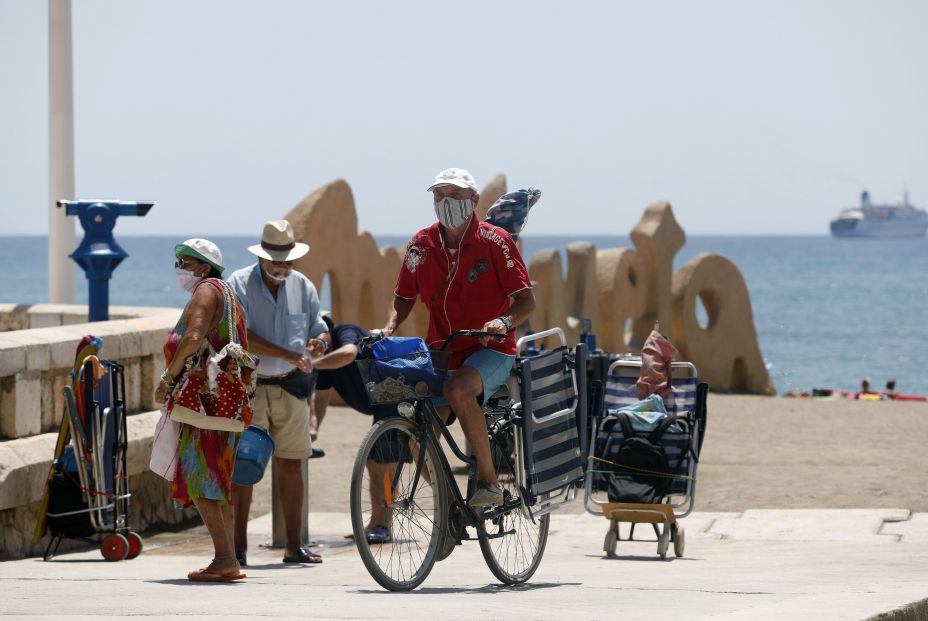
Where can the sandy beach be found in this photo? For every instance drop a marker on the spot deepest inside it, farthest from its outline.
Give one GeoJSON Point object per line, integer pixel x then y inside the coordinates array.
{"type": "Point", "coordinates": [759, 453]}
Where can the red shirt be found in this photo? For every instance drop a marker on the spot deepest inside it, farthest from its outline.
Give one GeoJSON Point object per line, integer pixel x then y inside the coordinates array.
{"type": "Point", "coordinates": [465, 290]}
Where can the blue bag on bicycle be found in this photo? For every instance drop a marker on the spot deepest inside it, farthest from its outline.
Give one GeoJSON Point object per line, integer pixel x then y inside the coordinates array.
{"type": "Point", "coordinates": [407, 358]}
{"type": "Point", "coordinates": [397, 346]}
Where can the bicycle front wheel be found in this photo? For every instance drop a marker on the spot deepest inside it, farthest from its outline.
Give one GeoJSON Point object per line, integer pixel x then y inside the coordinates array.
{"type": "Point", "coordinates": [398, 506]}
{"type": "Point", "coordinates": [513, 543]}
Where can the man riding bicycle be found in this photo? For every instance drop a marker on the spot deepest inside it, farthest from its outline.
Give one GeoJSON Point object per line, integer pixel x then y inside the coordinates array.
{"type": "Point", "coordinates": [470, 275]}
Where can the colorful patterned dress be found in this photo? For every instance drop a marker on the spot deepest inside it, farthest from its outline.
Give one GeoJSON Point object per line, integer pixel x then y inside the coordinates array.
{"type": "Point", "coordinates": [205, 457]}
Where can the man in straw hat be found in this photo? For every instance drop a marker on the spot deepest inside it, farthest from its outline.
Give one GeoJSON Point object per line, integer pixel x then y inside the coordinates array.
{"type": "Point", "coordinates": [282, 309]}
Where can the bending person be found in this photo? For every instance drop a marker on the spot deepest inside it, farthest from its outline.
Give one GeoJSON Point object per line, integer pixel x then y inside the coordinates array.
{"type": "Point", "coordinates": [336, 370]}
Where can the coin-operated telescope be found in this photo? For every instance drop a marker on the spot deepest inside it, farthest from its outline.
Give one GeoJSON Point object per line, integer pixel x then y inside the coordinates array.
{"type": "Point", "coordinates": [98, 253]}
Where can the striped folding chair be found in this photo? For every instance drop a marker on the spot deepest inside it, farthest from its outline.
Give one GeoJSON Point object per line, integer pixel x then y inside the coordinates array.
{"type": "Point", "coordinates": [552, 406]}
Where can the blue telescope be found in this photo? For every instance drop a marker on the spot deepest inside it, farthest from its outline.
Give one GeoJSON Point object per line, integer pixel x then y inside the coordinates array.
{"type": "Point", "coordinates": [98, 253]}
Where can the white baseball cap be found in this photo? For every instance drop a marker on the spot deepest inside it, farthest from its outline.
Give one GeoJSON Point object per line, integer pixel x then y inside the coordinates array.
{"type": "Point", "coordinates": [202, 250]}
{"type": "Point", "coordinates": [454, 176]}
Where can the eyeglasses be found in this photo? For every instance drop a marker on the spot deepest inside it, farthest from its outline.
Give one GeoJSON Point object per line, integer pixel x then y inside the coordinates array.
{"type": "Point", "coordinates": [279, 263]}
{"type": "Point", "coordinates": [180, 263]}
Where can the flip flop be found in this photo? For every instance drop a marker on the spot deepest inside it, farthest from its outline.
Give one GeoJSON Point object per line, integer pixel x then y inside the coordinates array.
{"type": "Point", "coordinates": [205, 575]}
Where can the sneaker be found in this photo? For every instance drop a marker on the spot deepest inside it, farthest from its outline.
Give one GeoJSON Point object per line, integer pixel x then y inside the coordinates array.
{"type": "Point", "coordinates": [486, 494]}
{"type": "Point", "coordinates": [378, 534]}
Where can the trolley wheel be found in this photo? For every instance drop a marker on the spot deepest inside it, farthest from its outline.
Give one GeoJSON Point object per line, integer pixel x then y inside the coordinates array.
{"type": "Point", "coordinates": [663, 542]}
{"type": "Point", "coordinates": [114, 547]}
{"type": "Point", "coordinates": [610, 541]}
{"type": "Point", "coordinates": [135, 545]}
{"type": "Point", "coordinates": [679, 540]}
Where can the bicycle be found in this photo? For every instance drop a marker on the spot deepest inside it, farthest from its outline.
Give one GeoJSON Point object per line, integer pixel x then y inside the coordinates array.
{"type": "Point", "coordinates": [402, 477]}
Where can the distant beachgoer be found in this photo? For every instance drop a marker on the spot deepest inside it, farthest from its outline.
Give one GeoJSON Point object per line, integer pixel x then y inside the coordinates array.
{"type": "Point", "coordinates": [890, 389]}
{"type": "Point", "coordinates": [864, 389]}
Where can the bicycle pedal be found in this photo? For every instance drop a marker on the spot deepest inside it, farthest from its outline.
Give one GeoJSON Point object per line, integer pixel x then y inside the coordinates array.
{"type": "Point", "coordinates": [511, 531]}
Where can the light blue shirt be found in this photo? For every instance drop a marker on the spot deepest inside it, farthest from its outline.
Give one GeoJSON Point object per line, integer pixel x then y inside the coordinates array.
{"type": "Point", "coordinates": [288, 322]}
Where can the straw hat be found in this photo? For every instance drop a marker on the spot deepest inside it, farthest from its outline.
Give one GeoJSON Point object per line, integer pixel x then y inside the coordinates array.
{"type": "Point", "coordinates": [278, 243]}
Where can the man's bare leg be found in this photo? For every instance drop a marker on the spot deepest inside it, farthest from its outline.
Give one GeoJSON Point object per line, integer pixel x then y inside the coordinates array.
{"type": "Point", "coordinates": [319, 403]}
{"type": "Point", "coordinates": [461, 391]}
{"type": "Point", "coordinates": [292, 488]}
{"type": "Point", "coordinates": [380, 512]}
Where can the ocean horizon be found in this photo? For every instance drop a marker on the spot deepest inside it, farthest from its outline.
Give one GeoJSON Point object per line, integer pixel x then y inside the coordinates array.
{"type": "Point", "coordinates": [827, 311]}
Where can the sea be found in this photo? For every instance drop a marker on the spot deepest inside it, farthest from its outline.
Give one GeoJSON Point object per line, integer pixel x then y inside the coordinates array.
{"type": "Point", "coordinates": [828, 312]}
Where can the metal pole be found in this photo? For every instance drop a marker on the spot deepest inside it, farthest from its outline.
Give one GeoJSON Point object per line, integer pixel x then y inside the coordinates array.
{"type": "Point", "coordinates": [60, 152]}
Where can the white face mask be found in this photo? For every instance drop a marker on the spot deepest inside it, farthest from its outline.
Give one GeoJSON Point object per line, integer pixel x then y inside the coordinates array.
{"type": "Point", "coordinates": [274, 277]}
{"type": "Point", "coordinates": [188, 281]}
{"type": "Point", "coordinates": [452, 212]}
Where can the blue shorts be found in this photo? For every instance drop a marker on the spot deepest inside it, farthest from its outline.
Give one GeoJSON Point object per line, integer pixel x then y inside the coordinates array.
{"type": "Point", "coordinates": [493, 368]}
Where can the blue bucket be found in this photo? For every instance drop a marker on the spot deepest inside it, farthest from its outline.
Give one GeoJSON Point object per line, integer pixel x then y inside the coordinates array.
{"type": "Point", "coordinates": [251, 457]}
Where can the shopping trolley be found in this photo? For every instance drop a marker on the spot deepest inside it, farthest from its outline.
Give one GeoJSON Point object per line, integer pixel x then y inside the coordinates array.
{"type": "Point", "coordinates": [679, 437]}
{"type": "Point", "coordinates": [87, 490]}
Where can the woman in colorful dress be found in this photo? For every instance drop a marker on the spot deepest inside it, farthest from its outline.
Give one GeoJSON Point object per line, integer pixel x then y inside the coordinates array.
{"type": "Point", "coordinates": [205, 457]}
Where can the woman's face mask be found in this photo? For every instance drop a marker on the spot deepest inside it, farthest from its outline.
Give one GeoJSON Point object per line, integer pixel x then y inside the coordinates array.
{"type": "Point", "coordinates": [453, 212]}
{"type": "Point", "coordinates": [188, 281]}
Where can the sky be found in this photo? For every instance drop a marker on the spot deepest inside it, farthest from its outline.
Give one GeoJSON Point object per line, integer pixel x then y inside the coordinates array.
{"type": "Point", "coordinates": [761, 117]}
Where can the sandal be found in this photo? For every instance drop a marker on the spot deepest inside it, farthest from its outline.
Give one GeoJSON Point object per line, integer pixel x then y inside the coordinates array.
{"type": "Point", "coordinates": [207, 575]}
{"type": "Point", "coordinates": [378, 535]}
{"type": "Point", "coordinates": [303, 556]}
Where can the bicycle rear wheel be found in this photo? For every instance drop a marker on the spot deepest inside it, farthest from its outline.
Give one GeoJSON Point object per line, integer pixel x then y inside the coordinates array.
{"type": "Point", "coordinates": [512, 544]}
{"type": "Point", "coordinates": [382, 495]}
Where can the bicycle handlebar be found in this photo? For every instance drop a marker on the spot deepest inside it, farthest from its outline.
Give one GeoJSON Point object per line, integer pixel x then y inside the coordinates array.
{"type": "Point", "coordinates": [477, 334]}
{"type": "Point", "coordinates": [375, 335]}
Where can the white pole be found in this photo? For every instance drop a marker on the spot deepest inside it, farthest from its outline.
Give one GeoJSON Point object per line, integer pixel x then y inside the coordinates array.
{"type": "Point", "coordinates": [60, 152]}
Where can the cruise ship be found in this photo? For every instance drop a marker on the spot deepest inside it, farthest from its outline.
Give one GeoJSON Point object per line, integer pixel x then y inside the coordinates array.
{"type": "Point", "coordinates": [869, 220]}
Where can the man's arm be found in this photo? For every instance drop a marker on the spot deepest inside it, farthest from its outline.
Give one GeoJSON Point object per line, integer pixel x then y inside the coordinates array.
{"type": "Point", "coordinates": [523, 304]}
{"type": "Point", "coordinates": [398, 314]}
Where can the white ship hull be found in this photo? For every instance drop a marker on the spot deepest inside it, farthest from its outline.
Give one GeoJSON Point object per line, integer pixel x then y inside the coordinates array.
{"type": "Point", "coordinates": [854, 227]}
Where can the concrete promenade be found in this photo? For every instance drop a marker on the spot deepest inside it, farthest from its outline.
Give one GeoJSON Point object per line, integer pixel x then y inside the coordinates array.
{"type": "Point", "coordinates": [758, 564]}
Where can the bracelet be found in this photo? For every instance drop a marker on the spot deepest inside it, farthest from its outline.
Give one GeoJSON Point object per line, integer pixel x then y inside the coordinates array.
{"type": "Point", "coordinates": [506, 321]}
{"type": "Point", "coordinates": [167, 378]}
{"type": "Point", "coordinates": [325, 345]}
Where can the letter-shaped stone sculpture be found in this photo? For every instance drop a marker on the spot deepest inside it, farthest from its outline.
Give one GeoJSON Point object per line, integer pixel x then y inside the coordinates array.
{"type": "Point", "coordinates": [622, 283]}
{"type": "Point", "coordinates": [725, 350]}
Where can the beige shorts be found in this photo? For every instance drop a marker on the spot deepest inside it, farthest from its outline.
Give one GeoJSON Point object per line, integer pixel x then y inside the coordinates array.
{"type": "Point", "coordinates": [286, 418]}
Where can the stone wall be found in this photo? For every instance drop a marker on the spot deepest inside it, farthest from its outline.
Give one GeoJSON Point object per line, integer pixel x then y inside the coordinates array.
{"type": "Point", "coordinates": [35, 363]}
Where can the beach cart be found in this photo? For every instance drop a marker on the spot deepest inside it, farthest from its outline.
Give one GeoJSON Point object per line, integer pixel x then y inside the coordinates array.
{"type": "Point", "coordinates": [645, 475]}
{"type": "Point", "coordinates": [87, 492]}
